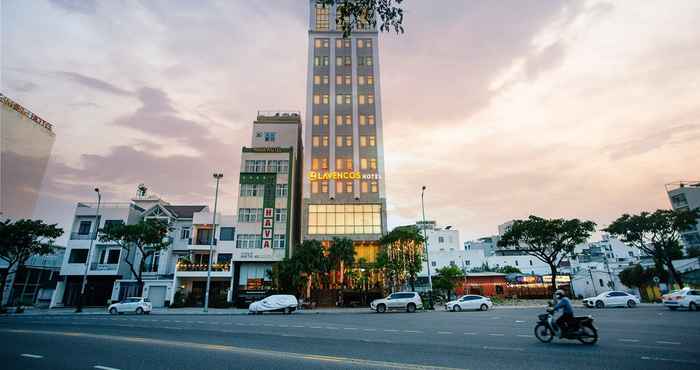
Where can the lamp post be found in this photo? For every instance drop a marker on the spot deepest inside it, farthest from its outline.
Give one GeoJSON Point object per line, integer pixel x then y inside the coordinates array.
{"type": "Point", "coordinates": [218, 177]}
{"type": "Point", "coordinates": [427, 255]}
{"type": "Point", "coordinates": [79, 307]}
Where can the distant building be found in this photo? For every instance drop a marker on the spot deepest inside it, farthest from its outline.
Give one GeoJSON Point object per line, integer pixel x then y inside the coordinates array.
{"type": "Point", "coordinates": [25, 147]}
{"type": "Point", "coordinates": [35, 281]}
{"type": "Point", "coordinates": [685, 195]}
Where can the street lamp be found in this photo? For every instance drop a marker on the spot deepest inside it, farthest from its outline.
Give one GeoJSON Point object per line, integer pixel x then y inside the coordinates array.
{"type": "Point", "coordinates": [427, 255]}
{"type": "Point", "coordinates": [79, 307]}
{"type": "Point", "coordinates": [218, 177]}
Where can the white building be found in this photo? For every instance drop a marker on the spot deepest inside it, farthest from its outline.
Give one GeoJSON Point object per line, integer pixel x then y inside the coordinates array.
{"type": "Point", "coordinates": [268, 202]}
{"type": "Point", "coordinates": [686, 195]}
{"type": "Point", "coordinates": [445, 249]}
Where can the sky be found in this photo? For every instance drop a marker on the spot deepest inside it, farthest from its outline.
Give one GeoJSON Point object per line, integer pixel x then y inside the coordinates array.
{"type": "Point", "coordinates": [502, 109]}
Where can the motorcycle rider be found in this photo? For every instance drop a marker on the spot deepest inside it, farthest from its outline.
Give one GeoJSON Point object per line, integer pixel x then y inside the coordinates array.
{"type": "Point", "coordinates": [566, 320]}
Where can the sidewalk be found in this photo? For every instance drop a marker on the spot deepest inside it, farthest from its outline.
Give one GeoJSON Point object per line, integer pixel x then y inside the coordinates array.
{"type": "Point", "coordinates": [30, 311]}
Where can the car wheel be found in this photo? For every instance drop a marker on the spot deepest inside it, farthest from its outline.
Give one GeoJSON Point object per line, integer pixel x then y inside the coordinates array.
{"type": "Point", "coordinates": [139, 311]}
{"type": "Point", "coordinates": [381, 308]}
{"type": "Point", "coordinates": [287, 311]}
{"type": "Point", "coordinates": [692, 306]}
{"type": "Point", "coordinates": [631, 303]}
{"type": "Point", "coordinates": [411, 308]}
{"type": "Point", "coordinates": [484, 307]}
{"type": "Point", "coordinates": [599, 304]}
{"type": "Point", "coordinates": [113, 311]}
{"type": "Point", "coordinates": [456, 308]}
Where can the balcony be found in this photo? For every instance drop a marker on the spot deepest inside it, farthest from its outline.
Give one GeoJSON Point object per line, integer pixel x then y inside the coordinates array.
{"type": "Point", "coordinates": [202, 267]}
{"type": "Point", "coordinates": [79, 236]}
{"type": "Point", "coordinates": [201, 241]}
{"type": "Point", "coordinates": [103, 266]}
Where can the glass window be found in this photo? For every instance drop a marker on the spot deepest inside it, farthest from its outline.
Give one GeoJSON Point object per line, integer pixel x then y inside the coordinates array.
{"type": "Point", "coordinates": [314, 164]}
{"type": "Point", "coordinates": [338, 120]}
{"type": "Point", "coordinates": [364, 187]}
{"type": "Point", "coordinates": [84, 227]}
{"type": "Point", "coordinates": [316, 141]}
{"type": "Point", "coordinates": [314, 187]}
{"type": "Point", "coordinates": [317, 120]}
{"type": "Point", "coordinates": [370, 98]}
{"type": "Point", "coordinates": [363, 141]}
{"type": "Point", "coordinates": [370, 119]}
{"type": "Point", "coordinates": [324, 186]}
{"type": "Point", "coordinates": [281, 190]}
{"type": "Point", "coordinates": [249, 214]}
{"type": "Point", "coordinates": [360, 80]}
{"type": "Point", "coordinates": [348, 141]}
{"type": "Point", "coordinates": [322, 17]}
{"type": "Point", "coordinates": [373, 164]}
{"type": "Point", "coordinates": [371, 141]}
{"type": "Point", "coordinates": [374, 186]}
{"type": "Point", "coordinates": [339, 141]}
{"type": "Point", "coordinates": [248, 241]}
{"type": "Point", "coordinates": [185, 232]}
{"type": "Point", "coordinates": [324, 141]}
{"type": "Point", "coordinates": [345, 219]}
{"type": "Point", "coordinates": [324, 120]}
{"type": "Point", "coordinates": [363, 120]}
{"type": "Point", "coordinates": [338, 79]}
{"type": "Point", "coordinates": [226, 233]}
{"type": "Point", "coordinates": [281, 215]}
{"type": "Point", "coordinates": [78, 256]}
{"type": "Point", "coordinates": [363, 163]}
{"type": "Point", "coordinates": [370, 80]}
{"type": "Point", "coordinates": [279, 241]}
{"type": "Point", "coordinates": [348, 79]}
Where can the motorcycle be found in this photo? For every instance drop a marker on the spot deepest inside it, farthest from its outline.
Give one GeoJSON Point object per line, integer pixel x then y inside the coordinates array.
{"type": "Point", "coordinates": [582, 330]}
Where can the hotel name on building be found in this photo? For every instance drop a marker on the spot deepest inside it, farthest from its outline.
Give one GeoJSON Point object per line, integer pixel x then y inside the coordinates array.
{"type": "Point", "coordinates": [341, 175]}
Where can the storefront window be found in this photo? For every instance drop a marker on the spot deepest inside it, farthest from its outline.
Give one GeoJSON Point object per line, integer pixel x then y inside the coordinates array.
{"type": "Point", "coordinates": [345, 219]}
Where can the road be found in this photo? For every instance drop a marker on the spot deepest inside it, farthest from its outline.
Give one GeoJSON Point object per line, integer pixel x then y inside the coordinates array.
{"type": "Point", "coordinates": [640, 338]}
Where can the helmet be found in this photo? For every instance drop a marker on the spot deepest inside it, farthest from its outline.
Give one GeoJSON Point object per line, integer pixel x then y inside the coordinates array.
{"type": "Point", "coordinates": [559, 293]}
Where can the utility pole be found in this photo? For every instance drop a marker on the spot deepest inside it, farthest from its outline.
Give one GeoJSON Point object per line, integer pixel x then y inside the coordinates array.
{"type": "Point", "coordinates": [92, 237]}
{"type": "Point", "coordinates": [590, 272]}
{"type": "Point", "coordinates": [427, 254]}
{"type": "Point", "coordinates": [218, 177]}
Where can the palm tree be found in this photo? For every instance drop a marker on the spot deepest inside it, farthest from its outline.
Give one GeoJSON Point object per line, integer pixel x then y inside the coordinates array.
{"type": "Point", "coordinates": [342, 253]}
{"type": "Point", "coordinates": [309, 257]}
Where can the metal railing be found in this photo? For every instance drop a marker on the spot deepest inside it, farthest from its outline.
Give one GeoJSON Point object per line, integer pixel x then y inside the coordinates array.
{"type": "Point", "coordinates": [79, 236]}
{"type": "Point", "coordinates": [104, 266]}
{"type": "Point", "coordinates": [202, 267]}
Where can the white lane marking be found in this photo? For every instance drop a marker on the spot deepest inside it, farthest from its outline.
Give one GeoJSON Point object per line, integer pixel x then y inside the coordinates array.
{"type": "Point", "coordinates": [349, 328]}
{"type": "Point", "coordinates": [503, 348]}
{"type": "Point", "coordinates": [523, 335]}
{"type": "Point", "coordinates": [629, 340]}
{"type": "Point", "coordinates": [519, 320]}
{"type": "Point", "coordinates": [178, 320]}
{"type": "Point", "coordinates": [297, 326]}
{"type": "Point", "coordinates": [29, 355]}
{"type": "Point", "coordinates": [331, 328]}
{"type": "Point", "coordinates": [496, 335]}
{"type": "Point", "coordinates": [104, 367]}
{"type": "Point", "coordinates": [666, 359]}
{"type": "Point", "coordinates": [315, 327]}
{"type": "Point", "coordinates": [444, 332]}
{"type": "Point", "coordinates": [391, 330]}
{"type": "Point", "coordinates": [666, 342]}
{"type": "Point", "coordinates": [412, 331]}
{"type": "Point", "coordinates": [369, 329]}
{"type": "Point", "coordinates": [470, 333]}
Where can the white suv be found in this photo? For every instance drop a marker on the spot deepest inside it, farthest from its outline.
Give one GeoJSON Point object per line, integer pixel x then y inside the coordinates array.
{"type": "Point", "coordinates": [408, 301]}
{"type": "Point", "coordinates": [136, 305]}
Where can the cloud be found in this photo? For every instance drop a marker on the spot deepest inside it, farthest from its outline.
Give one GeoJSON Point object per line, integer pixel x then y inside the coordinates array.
{"type": "Point", "coordinates": [94, 83]}
{"type": "Point", "coordinates": [676, 134]}
{"type": "Point", "coordinates": [78, 6]}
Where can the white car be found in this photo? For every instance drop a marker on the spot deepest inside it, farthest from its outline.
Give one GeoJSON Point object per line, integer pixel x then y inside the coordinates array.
{"type": "Point", "coordinates": [138, 305]}
{"type": "Point", "coordinates": [469, 302]}
{"type": "Point", "coordinates": [612, 299]}
{"type": "Point", "coordinates": [404, 301]}
{"type": "Point", "coordinates": [684, 298]}
{"type": "Point", "coordinates": [279, 302]}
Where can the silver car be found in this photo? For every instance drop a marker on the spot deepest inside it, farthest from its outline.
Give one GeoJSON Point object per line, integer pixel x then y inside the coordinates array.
{"type": "Point", "coordinates": [404, 301]}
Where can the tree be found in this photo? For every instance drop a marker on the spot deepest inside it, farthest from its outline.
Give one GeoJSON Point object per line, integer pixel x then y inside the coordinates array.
{"type": "Point", "coordinates": [310, 260]}
{"type": "Point", "coordinates": [22, 239]}
{"type": "Point", "coordinates": [354, 13]}
{"type": "Point", "coordinates": [656, 234]}
{"type": "Point", "coordinates": [401, 256]}
{"type": "Point", "coordinates": [286, 276]}
{"type": "Point", "coordinates": [636, 276]}
{"type": "Point", "coordinates": [342, 253]}
{"type": "Point", "coordinates": [508, 270]}
{"type": "Point", "coordinates": [550, 241]}
{"type": "Point", "coordinates": [139, 241]}
{"type": "Point", "coordinates": [445, 280]}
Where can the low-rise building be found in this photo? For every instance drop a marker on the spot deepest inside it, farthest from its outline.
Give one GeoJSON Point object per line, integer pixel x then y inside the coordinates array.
{"type": "Point", "coordinates": [685, 195]}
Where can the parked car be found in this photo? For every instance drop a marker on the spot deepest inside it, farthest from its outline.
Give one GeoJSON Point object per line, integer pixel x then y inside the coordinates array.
{"type": "Point", "coordinates": [612, 299]}
{"type": "Point", "coordinates": [138, 305]}
{"type": "Point", "coordinates": [684, 298]}
{"type": "Point", "coordinates": [408, 301]}
{"type": "Point", "coordinates": [469, 302]}
{"type": "Point", "coordinates": [275, 303]}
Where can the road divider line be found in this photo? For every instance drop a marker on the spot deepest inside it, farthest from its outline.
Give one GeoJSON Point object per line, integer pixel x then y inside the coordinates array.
{"type": "Point", "coordinates": [369, 329]}
{"type": "Point", "coordinates": [391, 330]}
{"type": "Point", "coordinates": [412, 331]}
{"type": "Point", "coordinates": [29, 355]}
{"type": "Point", "coordinates": [444, 332]}
{"type": "Point", "coordinates": [349, 328]}
{"type": "Point", "coordinates": [496, 335]}
{"type": "Point", "coordinates": [503, 348]}
{"type": "Point", "coordinates": [469, 333]}
{"type": "Point", "coordinates": [667, 360]}
{"type": "Point", "coordinates": [667, 342]}
{"type": "Point", "coordinates": [629, 340]}
{"type": "Point", "coordinates": [242, 351]}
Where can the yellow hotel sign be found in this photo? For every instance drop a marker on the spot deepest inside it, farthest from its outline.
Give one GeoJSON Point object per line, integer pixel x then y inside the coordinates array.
{"type": "Point", "coordinates": [341, 175]}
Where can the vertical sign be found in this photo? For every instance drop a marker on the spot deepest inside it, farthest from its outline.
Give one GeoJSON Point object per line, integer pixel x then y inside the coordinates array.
{"type": "Point", "coordinates": [269, 181]}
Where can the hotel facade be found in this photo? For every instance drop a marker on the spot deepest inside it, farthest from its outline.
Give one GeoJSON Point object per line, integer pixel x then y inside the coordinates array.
{"type": "Point", "coordinates": [343, 190]}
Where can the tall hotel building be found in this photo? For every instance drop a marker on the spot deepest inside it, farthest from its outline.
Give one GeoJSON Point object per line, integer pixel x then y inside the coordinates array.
{"type": "Point", "coordinates": [343, 191]}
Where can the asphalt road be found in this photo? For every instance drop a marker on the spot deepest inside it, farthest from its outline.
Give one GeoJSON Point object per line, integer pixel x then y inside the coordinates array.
{"type": "Point", "coordinates": [640, 338]}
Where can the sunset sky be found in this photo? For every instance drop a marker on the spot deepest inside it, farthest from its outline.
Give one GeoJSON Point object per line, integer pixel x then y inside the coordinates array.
{"type": "Point", "coordinates": [502, 109]}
